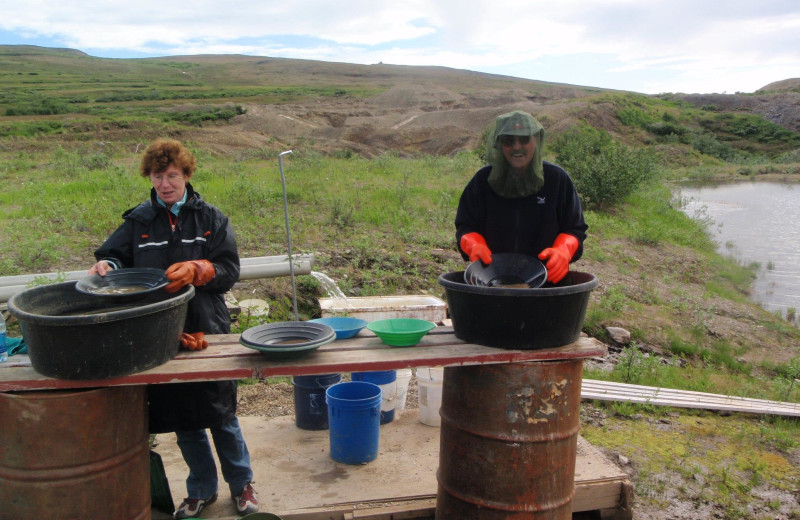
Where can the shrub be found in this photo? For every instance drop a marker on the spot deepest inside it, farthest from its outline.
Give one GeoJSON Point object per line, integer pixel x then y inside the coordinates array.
{"type": "Point", "coordinates": [634, 116]}
{"type": "Point", "coordinates": [664, 128]}
{"type": "Point", "coordinates": [44, 107]}
{"type": "Point", "coordinates": [708, 144]}
{"type": "Point", "coordinates": [31, 128]}
{"type": "Point", "coordinates": [604, 171]}
{"type": "Point", "coordinates": [197, 116]}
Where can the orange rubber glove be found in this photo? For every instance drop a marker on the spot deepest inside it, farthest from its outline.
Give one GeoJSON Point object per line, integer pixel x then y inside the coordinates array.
{"type": "Point", "coordinates": [559, 256]}
{"type": "Point", "coordinates": [474, 245]}
{"type": "Point", "coordinates": [195, 272]}
{"type": "Point", "coordinates": [194, 341]}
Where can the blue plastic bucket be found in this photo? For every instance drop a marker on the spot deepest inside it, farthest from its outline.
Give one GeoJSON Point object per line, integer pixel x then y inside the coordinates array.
{"type": "Point", "coordinates": [354, 413]}
{"type": "Point", "coordinates": [310, 409]}
{"type": "Point", "coordinates": [387, 380]}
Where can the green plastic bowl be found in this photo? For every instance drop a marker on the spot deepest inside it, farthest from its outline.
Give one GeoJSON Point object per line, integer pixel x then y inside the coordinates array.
{"type": "Point", "coordinates": [401, 332]}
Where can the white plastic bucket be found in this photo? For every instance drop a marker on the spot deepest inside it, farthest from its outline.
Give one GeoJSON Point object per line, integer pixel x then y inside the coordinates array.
{"type": "Point", "coordinates": [387, 381]}
{"type": "Point", "coordinates": [429, 381]}
{"type": "Point", "coordinates": [403, 378]}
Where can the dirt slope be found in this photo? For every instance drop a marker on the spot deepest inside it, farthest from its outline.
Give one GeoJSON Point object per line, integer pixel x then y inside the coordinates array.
{"type": "Point", "coordinates": [406, 119]}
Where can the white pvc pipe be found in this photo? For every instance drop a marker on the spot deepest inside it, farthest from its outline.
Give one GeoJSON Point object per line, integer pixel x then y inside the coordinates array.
{"type": "Point", "coordinates": [301, 264]}
{"type": "Point", "coordinates": [251, 268]}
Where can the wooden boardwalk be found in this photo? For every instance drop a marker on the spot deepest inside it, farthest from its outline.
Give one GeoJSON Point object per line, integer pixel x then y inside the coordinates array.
{"type": "Point", "coordinates": [611, 391]}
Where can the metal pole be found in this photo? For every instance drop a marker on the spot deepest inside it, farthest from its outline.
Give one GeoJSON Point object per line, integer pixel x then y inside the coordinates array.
{"type": "Point", "coordinates": [288, 234]}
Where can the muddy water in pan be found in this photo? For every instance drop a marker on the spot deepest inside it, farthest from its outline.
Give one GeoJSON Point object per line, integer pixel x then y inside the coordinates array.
{"type": "Point", "coordinates": [756, 223]}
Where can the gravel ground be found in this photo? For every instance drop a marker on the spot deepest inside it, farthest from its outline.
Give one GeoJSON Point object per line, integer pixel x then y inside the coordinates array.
{"type": "Point", "coordinates": [268, 399]}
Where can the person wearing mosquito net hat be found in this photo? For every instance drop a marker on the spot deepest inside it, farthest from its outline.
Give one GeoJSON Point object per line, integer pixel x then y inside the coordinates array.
{"type": "Point", "coordinates": [519, 203]}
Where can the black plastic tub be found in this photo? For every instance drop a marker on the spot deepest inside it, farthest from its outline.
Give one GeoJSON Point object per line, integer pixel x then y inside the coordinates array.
{"type": "Point", "coordinates": [518, 318]}
{"type": "Point", "coordinates": [73, 335]}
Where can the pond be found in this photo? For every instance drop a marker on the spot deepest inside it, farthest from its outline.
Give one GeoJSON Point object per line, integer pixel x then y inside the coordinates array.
{"type": "Point", "coordinates": [757, 224]}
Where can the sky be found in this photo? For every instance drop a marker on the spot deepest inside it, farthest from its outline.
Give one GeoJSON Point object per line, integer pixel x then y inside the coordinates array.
{"type": "Point", "coordinates": [646, 46]}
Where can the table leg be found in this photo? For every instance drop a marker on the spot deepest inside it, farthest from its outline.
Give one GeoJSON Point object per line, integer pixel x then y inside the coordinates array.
{"type": "Point", "coordinates": [70, 454]}
{"type": "Point", "coordinates": [509, 441]}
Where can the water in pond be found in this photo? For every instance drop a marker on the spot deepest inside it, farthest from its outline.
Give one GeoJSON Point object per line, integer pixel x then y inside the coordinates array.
{"type": "Point", "coordinates": [756, 223]}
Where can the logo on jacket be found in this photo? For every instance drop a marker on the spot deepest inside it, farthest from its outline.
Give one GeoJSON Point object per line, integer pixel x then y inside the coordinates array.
{"type": "Point", "coordinates": [541, 200]}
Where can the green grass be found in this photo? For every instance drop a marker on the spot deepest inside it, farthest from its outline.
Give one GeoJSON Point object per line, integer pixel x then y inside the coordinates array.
{"type": "Point", "coordinates": [722, 461]}
{"type": "Point", "coordinates": [336, 205]}
{"type": "Point", "coordinates": [373, 224]}
{"type": "Point", "coordinates": [51, 92]}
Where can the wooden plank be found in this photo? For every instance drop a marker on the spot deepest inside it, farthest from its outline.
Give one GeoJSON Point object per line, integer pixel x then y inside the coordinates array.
{"type": "Point", "coordinates": [420, 509]}
{"type": "Point", "coordinates": [627, 388]}
{"type": "Point", "coordinates": [623, 510]}
{"type": "Point", "coordinates": [226, 359]}
{"type": "Point", "coordinates": [598, 482]}
{"type": "Point", "coordinates": [674, 398]}
{"type": "Point", "coordinates": [621, 392]}
{"type": "Point", "coordinates": [591, 496]}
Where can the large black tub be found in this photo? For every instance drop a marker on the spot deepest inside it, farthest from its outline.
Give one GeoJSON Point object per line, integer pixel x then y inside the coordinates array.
{"type": "Point", "coordinates": [73, 335]}
{"type": "Point", "coordinates": [519, 318]}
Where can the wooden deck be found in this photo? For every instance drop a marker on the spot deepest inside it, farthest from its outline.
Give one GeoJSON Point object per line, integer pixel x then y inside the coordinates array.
{"type": "Point", "coordinates": [297, 480]}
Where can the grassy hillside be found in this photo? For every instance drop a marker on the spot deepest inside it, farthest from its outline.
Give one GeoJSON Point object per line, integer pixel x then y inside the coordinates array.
{"type": "Point", "coordinates": [381, 154]}
{"type": "Point", "coordinates": [356, 108]}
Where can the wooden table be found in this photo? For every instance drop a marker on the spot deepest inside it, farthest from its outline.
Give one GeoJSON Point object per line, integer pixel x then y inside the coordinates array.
{"type": "Point", "coordinates": [225, 359]}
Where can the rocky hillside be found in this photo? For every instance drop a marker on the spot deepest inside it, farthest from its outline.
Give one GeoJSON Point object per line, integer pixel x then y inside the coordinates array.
{"type": "Point", "coordinates": [778, 102]}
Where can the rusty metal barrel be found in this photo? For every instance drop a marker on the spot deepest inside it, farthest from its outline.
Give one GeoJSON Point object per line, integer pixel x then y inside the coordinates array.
{"type": "Point", "coordinates": [509, 441]}
{"type": "Point", "coordinates": [72, 454]}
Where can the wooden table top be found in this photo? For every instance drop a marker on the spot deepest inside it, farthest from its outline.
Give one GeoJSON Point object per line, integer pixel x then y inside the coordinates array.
{"type": "Point", "coordinates": [226, 358]}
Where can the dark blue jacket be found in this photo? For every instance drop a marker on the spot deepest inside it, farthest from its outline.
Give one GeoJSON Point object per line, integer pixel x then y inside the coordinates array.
{"type": "Point", "coordinates": [145, 239]}
{"type": "Point", "coordinates": [525, 225]}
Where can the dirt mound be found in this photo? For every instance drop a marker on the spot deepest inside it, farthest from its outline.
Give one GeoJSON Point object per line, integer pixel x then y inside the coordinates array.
{"type": "Point", "coordinates": [432, 110]}
{"type": "Point", "coordinates": [405, 119]}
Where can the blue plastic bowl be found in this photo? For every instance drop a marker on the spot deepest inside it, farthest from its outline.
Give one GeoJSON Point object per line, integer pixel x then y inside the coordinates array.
{"type": "Point", "coordinates": [342, 326]}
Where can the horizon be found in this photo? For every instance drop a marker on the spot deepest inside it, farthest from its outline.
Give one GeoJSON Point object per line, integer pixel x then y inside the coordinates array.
{"type": "Point", "coordinates": [365, 64]}
{"type": "Point", "coordinates": [664, 46]}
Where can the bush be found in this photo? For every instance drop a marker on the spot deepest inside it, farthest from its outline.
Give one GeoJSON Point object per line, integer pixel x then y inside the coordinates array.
{"type": "Point", "coordinates": [604, 171]}
{"type": "Point", "coordinates": [663, 128]}
{"type": "Point", "coordinates": [31, 128]}
{"type": "Point", "coordinates": [45, 107]}
{"type": "Point", "coordinates": [634, 116]}
{"type": "Point", "coordinates": [708, 144]}
{"type": "Point", "coordinates": [198, 116]}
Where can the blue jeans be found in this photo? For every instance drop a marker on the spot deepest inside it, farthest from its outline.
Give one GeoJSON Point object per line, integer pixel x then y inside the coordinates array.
{"type": "Point", "coordinates": [234, 459]}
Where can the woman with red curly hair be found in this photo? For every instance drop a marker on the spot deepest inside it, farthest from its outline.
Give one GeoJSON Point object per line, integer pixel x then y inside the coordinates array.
{"type": "Point", "coordinates": [193, 241]}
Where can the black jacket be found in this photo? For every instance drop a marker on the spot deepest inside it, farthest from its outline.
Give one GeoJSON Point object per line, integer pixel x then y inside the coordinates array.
{"type": "Point", "coordinates": [146, 239]}
{"type": "Point", "coordinates": [525, 225]}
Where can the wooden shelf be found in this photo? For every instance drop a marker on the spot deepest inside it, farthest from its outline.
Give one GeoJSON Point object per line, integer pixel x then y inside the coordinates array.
{"type": "Point", "coordinates": [226, 359]}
